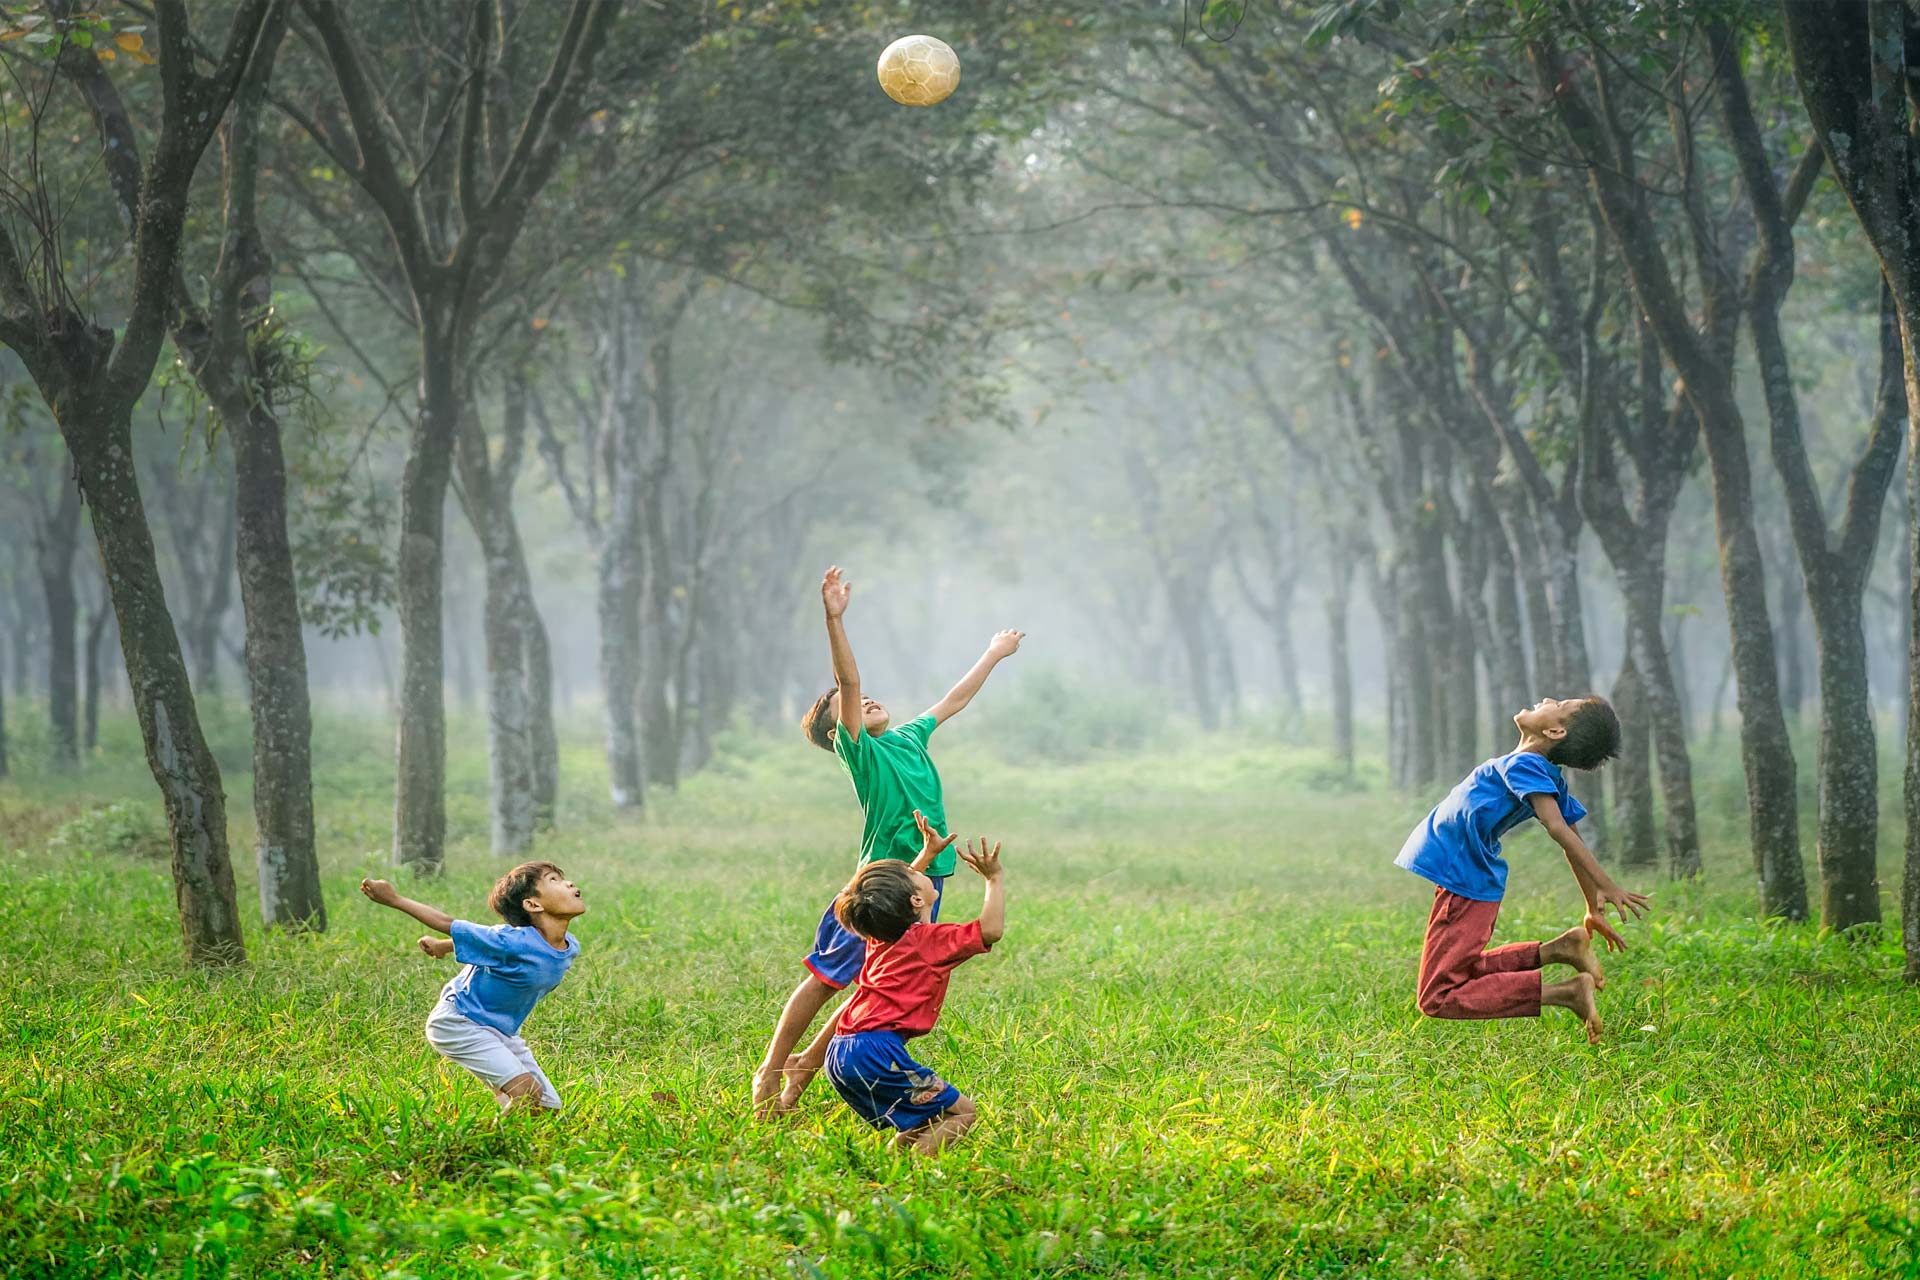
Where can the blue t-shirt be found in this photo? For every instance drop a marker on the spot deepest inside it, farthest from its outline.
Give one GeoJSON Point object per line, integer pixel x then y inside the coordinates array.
{"type": "Point", "coordinates": [509, 967]}
{"type": "Point", "coordinates": [1458, 846]}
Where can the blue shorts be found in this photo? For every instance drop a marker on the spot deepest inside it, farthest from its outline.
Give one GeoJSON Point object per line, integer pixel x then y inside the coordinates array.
{"type": "Point", "coordinates": [838, 952]}
{"type": "Point", "coordinates": [879, 1079]}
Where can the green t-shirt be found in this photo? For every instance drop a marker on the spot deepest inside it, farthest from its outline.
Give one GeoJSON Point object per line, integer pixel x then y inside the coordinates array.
{"type": "Point", "coordinates": [893, 775]}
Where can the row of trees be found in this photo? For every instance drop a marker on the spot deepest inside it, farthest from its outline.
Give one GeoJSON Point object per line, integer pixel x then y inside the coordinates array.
{"type": "Point", "coordinates": [1406, 304]}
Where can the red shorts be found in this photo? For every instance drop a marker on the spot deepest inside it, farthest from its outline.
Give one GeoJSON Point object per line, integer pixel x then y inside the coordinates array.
{"type": "Point", "coordinates": [1460, 978]}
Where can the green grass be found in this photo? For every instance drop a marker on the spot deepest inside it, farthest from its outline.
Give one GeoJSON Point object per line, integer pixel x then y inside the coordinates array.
{"type": "Point", "coordinates": [1195, 1053]}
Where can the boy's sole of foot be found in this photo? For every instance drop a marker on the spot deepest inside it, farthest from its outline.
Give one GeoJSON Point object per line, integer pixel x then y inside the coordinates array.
{"type": "Point", "coordinates": [1575, 948]}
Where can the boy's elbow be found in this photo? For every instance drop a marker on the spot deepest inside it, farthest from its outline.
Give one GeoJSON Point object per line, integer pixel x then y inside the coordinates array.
{"type": "Point", "coordinates": [993, 935]}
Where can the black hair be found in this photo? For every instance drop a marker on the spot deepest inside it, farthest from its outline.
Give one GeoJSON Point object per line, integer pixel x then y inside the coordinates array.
{"type": "Point", "coordinates": [1593, 735]}
{"type": "Point", "coordinates": [511, 891]}
{"type": "Point", "coordinates": [878, 901]}
{"type": "Point", "coordinates": [818, 722]}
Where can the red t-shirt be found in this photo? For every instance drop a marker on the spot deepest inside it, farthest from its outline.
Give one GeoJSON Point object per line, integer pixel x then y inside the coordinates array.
{"type": "Point", "coordinates": [902, 983]}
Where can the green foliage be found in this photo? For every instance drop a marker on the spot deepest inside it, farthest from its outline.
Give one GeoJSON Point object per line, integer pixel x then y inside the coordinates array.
{"type": "Point", "coordinates": [1194, 1054]}
{"type": "Point", "coordinates": [1049, 715]}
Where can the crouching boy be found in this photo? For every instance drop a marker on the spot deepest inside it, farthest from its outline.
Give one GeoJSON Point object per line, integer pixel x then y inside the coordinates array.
{"type": "Point", "coordinates": [899, 992]}
{"type": "Point", "coordinates": [506, 969]}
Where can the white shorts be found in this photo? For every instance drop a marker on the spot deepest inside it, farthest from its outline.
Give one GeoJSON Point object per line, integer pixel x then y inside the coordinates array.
{"type": "Point", "coordinates": [492, 1055]}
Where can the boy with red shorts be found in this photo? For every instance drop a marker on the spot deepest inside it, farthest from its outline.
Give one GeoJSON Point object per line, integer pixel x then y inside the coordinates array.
{"type": "Point", "coordinates": [1458, 848]}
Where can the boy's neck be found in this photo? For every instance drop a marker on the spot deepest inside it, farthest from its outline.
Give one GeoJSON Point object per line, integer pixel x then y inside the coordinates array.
{"type": "Point", "coordinates": [553, 929]}
{"type": "Point", "coordinates": [1539, 744]}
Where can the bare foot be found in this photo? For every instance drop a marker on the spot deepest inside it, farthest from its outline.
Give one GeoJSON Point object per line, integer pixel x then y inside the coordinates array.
{"type": "Point", "coordinates": [1575, 947]}
{"type": "Point", "coordinates": [1583, 1006]}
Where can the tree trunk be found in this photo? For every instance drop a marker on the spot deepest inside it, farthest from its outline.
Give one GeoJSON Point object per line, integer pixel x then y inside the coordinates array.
{"type": "Point", "coordinates": [203, 630]}
{"type": "Point", "coordinates": [1632, 772]}
{"type": "Point", "coordinates": [618, 599]}
{"type": "Point", "coordinates": [4, 768]}
{"type": "Point", "coordinates": [177, 752]}
{"type": "Point", "coordinates": [419, 807]}
{"type": "Point", "coordinates": [1849, 771]}
{"type": "Point", "coordinates": [1185, 602]}
{"type": "Point", "coordinates": [1643, 586]}
{"type": "Point", "coordinates": [543, 740]}
{"type": "Point", "coordinates": [285, 858]}
{"type": "Point", "coordinates": [1339, 661]}
{"type": "Point", "coordinates": [96, 629]}
{"type": "Point", "coordinates": [56, 543]}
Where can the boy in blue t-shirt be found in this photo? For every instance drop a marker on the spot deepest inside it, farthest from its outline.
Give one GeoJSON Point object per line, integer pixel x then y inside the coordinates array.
{"type": "Point", "coordinates": [506, 969]}
{"type": "Point", "coordinates": [1458, 848]}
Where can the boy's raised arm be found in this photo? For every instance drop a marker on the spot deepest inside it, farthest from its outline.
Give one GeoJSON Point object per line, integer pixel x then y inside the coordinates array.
{"type": "Point", "coordinates": [387, 896]}
{"type": "Point", "coordinates": [993, 912]}
{"type": "Point", "coordinates": [1003, 645]}
{"type": "Point", "coordinates": [1595, 884]}
{"type": "Point", "coordinates": [834, 594]}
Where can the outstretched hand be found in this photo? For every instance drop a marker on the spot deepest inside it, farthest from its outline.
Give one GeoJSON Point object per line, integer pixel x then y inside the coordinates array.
{"type": "Point", "coordinates": [932, 843]}
{"type": "Point", "coordinates": [835, 591]}
{"type": "Point", "coordinates": [1005, 643]}
{"type": "Point", "coordinates": [982, 859]}
{"type": "Point", "coordinates": [380, 891]}
{"type": "Point", "coordinates": [1625, 902]}
{"type": "Point", "coordinates": [438, 948]}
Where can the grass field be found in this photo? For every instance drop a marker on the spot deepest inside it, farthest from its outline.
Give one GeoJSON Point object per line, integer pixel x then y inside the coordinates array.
{"type": "Point", "coordinates": [1195, 1053]}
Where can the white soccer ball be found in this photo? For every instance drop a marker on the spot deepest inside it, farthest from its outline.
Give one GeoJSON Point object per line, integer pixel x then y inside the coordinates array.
{"type": "Point", "coordinates": [918, 71]}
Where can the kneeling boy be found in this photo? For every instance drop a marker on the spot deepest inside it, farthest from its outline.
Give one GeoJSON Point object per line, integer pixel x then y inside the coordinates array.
{"type": "Point", "coordinates": [508, 967]}
{"type": "Point", "coordinates": [899, 993]}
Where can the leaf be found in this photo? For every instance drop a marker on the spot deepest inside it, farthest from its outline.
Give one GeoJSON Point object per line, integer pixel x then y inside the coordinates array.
{"type": "Point", "coordinates": [105, 55]}
{"type": "Point", "coordinates": [131, 41]}
{"type": "Point", "coordinates": [12, 35]}
{"type": "Point", "coordinates": [40, 37]}
{"type": "Point", "coordinates": [1354, 219]}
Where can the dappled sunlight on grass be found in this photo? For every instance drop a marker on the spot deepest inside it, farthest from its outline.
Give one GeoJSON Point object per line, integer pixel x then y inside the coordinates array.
{"type": "Point", "coordinates": [1195, 1053]}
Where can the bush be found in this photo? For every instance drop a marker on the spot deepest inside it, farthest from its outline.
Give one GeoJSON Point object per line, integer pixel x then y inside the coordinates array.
{"type": "Point", "coordinates": [125, 828]}
{"type": "Point", "coordinates": [1047, 715]}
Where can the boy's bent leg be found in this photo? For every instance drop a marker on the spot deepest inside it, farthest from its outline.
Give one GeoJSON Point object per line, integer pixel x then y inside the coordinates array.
{"type": "Point", "coordinates": [801, 1008]}
{"type": "Point", "coordinates": [1575, 947]}
{"type": "Point", "coordinates": [527, 1092]}
{"type": "Point", "coordinates": [801, 1069]}
{"type": "Point", "coordinates": [943, 1130]}
{"type": "Point", "coordinates": [1457, 977]}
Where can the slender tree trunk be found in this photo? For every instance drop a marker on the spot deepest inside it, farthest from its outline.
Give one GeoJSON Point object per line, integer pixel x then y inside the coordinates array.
{"type": "Point", "coordinates": [1643, 586]}
{"type": "Point", "coordinates": [1185, 604]}
{"type": "Point", "coordinates": [96, 629]}
{"type": "Point", "coordinates": [285, 857]}
{"type": "Point", "coordinates": [203, 630]}
{"type": "Point", "coordinates": [419, 809]}
{"type": "Point", "coordinates": [177, 752]}
{"type": "Point", "coordinates": [1632, 772]}
{"type": "Point", "coordinates": [1849, 771]}
{"type": "Point", "coordinates": [1793, 630]}
{"type": "Point", "coordinates": [56, 544]}
{"type": "Point", "coordinates": [1340, 661]}
{"type": "Point", "coordinates": [543, 740]}
{"type": "Point", "coordinates": [618, 597]}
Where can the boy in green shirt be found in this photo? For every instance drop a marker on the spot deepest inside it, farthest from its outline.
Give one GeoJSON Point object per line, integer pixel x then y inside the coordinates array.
{"type": "Point", "coordinates": [898, 788]}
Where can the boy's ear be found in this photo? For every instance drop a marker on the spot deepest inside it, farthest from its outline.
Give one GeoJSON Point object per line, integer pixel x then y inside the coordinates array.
{"type": "Point", "coordinates": [531, 906]}
{"type": "Point", "coordinates": [1555, 731]}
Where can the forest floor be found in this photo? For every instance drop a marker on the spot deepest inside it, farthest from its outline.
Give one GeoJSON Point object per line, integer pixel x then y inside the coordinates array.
{"type": "Point", "coordinates": [1194, 1054]}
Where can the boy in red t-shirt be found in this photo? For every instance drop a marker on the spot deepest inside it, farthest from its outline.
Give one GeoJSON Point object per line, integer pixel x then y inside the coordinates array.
{"type": "Point", "coordinates": [898, 993]}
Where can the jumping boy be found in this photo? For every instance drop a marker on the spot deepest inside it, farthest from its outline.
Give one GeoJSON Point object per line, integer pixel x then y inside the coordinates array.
{"type": "Point", "coordinates": [893, 778]}
{"type": "Point", "coordinates": [507, 968]}
{"type": "Point", "coordinates": [902, 983]}
{"type": "Point", "coordinates": [1458, 848]}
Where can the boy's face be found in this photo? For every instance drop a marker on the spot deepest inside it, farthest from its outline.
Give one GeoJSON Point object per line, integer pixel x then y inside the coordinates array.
{"type": "Point", "coordinates": [557, 896]}
{"type": "Point", "coordinates": [873, 717]}
{"type": "Point", "coordinates": [1547, 717]}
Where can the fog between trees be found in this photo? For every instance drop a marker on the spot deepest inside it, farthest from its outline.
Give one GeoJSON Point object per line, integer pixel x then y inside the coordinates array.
{"type": "Point", "coordinates": [1351, 372]}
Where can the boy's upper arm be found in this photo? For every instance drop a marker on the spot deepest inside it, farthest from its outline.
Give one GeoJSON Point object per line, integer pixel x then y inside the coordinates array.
{"type": "Point", "coordinates": [920, 728]}
{"type": "Point", "coordinates": [952, 943]}
{"type": "Point", "coordinates": [476, 943]}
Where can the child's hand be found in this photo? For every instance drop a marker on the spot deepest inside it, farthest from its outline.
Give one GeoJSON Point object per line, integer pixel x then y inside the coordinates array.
{"type": "Point", "coordinates": [438, 948]}
{"type": "Point", "coordinates": [1597, 927]}
{"type": "Point", "coordinates": [1621, 900]}
{"type": "Point", "coordinates": [984, 860]}
{"type": "Point", "coordinates": [1005, 643]}
{"type": "Point", "coordinates": [380, 891]}
{"type": "Point", "coordinates": [932, 843]}
{"type": "Point", "coordinates": [835, 592]}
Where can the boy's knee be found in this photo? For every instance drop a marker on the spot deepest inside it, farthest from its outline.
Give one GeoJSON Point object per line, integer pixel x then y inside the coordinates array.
{"type": "Point", "coordinates": [1434, 1004]}
{"type": "Point", "coordinates": [522, 1091]}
